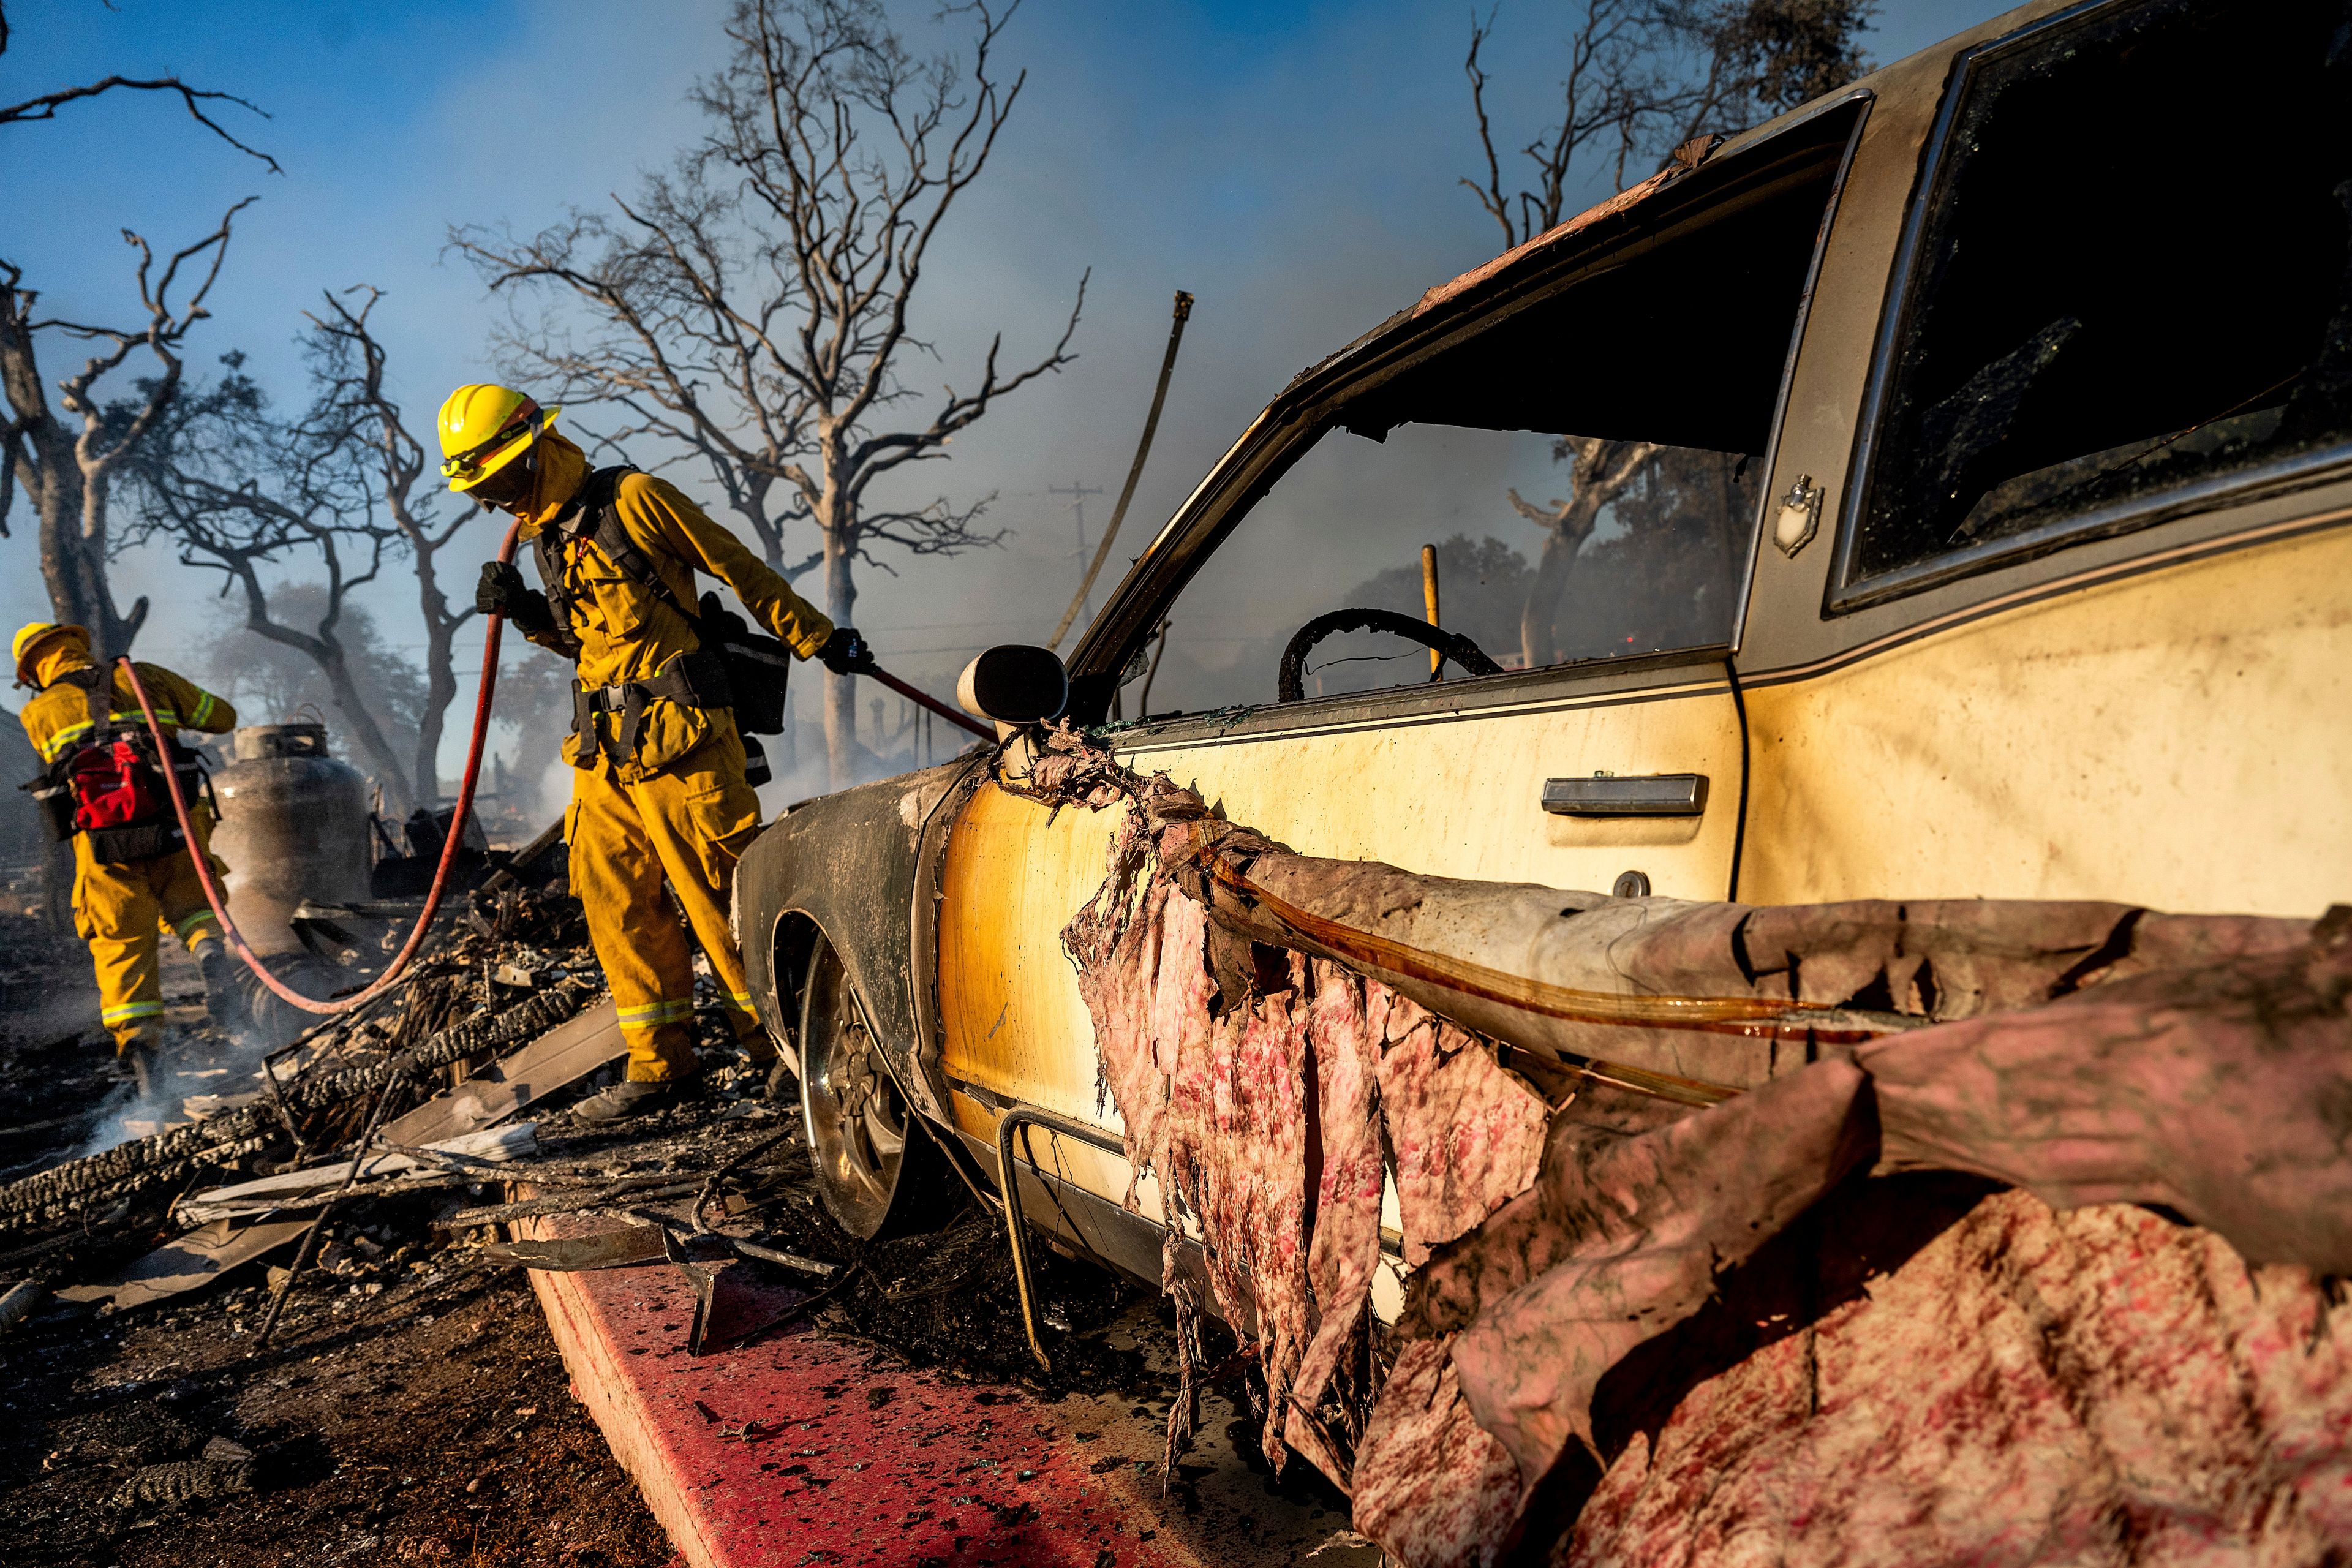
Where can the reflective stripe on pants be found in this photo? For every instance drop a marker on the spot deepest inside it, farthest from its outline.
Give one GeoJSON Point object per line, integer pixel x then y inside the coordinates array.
{"type": "Point", "coordinates": [121, 910]}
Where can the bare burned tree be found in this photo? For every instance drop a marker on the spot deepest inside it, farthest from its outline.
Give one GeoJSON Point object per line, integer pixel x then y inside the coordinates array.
{"type": "Point", "coordinates": [753, 307]}
{"type": "Point", "coordinates": [1648, 81]}
{"type": "Point", "coordinates": [354, 418]}
{"type": "Point", "coordinates": [1612, 92]}
{"type": "Point", "coordinates": [236, 490]}
{"type": "Point", "coordinates": [1598, 472]}
{"type": "Point", "coordinates": [674, 339]}
{"type": "Point", "coordinates": [65, 474]}
{"type": "Point", "coordinates": [1646, 76]}
{"type": "Point", "coordinates": [69, 475]}
{"type": "Point", "coordinates": [196, 101]}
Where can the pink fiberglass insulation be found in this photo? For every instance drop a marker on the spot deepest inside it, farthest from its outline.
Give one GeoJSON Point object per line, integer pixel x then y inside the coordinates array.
{"type": "Point", "coordinates": [1647, 1223]}
{"type": "Point", "coordinates": [2215, 1092]}
{"type": "Point", "coordinates": [1641, 1331]}
{"type": "Point", "coordinates": [2100, 1387]}
{"type": "Point", "coordinates": [1215, 1103]}
{"type": "Point", "coordinates": [1466, 1135]}
{"type": "Point", "coordinates": [1432, 1486]}
{"type": "Point", "coordinates": [1240, 1121]}
{"type": "Point", "coordinates": [1345, 1250]}
{"type": "Point", "coordinates": [1140, 972]}
{"type": "Point", "coordinates": [2222, 1093]}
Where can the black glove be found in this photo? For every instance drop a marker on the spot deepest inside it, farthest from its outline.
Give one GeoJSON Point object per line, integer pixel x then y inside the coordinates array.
{"type": "Point", "coordinates": [503, 592]}
{"type": "Point", "coordinates": [846, 653]}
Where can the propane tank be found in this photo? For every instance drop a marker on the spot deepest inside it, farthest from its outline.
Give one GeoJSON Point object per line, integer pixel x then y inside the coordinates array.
{"type": "Point", "coordinates": [293, 828]}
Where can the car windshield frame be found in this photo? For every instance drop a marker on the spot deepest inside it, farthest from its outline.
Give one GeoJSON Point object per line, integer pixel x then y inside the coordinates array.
{"type": "Point", "coordinates": [1324, 398]}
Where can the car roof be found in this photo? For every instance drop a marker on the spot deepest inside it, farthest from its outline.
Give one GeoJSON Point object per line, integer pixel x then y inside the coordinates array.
{"type": "Point", "coordinates": [1500, 274]}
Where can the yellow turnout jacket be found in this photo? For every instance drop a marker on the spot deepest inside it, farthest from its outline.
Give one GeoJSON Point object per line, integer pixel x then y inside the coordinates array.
{"type": "Point", "coordinates": [57, 717]}
{"type": "Point", "coordinates": [625, 631]}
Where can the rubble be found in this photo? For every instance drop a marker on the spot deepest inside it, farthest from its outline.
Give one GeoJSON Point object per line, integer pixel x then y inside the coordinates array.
{"type": "Point", "coordinates": [82, 1188]}
{"type": "Point", "coordinates": [17, 1302]}
{"type": "Point", "coordinates": [234, 1176]}
{"type": "Point", "coordinates": [158, 1245]}
{"type": "Point", "coordinates": [177, 1485]}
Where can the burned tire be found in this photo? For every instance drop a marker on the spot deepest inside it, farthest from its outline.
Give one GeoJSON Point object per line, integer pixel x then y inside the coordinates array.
{"type": "Point", "coordinates": [880, 1174]}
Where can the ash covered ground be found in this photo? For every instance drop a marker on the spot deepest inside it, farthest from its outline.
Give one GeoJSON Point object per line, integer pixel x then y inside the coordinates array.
{"type": "Point", "coordinates": [411, 1409]}
{"type": "Point", "coordinates": [411, 1406]}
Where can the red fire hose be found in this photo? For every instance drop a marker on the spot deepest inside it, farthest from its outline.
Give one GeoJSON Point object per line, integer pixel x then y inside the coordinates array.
{"type": "Point", "coordinates": [449, 845]}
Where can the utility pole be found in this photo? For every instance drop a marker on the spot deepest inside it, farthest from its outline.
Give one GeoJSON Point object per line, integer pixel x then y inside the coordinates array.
{"type": "Point", "coordinates": [1078, 494]}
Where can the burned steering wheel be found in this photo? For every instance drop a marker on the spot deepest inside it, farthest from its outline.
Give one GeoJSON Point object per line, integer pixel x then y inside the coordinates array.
{"type": "Point", "coordinates": [1292, 684]}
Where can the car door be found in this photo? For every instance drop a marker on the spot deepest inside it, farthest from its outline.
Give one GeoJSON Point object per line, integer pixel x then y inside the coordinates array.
{"type": "Point", "coordinates": [1593, 530]}
{"type": "Point", "coordinates": [2078, 620]}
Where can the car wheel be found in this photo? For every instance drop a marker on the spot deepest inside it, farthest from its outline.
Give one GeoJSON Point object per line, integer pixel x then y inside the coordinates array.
{"type": "Point", "coordinates": [879, 1174]}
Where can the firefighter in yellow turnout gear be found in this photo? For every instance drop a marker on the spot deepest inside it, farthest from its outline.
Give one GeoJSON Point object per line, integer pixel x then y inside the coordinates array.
{"type": "Point", "coordinates": [660, 792]}
{"type": "Point", "coordinates": [122, 906]}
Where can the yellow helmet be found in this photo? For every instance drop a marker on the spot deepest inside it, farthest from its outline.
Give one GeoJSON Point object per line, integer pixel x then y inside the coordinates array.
{"type": "Point", "coordinates": [29, 640]}
{"type": "Point", "coordinates": [483, 428]}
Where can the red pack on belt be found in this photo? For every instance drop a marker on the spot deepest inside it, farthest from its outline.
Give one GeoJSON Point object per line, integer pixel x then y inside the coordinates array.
{"type": "Point", "coordinates": [114, 785]}
{"type": "Point", "coordinates": [110, 787]}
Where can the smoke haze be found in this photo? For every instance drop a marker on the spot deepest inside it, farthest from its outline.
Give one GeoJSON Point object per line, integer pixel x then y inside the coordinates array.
{"type": "Point", "coordinates": [1294, 167]}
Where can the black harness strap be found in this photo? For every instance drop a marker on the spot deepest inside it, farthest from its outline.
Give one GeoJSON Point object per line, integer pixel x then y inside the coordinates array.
{"type": "Point", "coordinates": [694, 679]}
{"type": "Point", "coordinates": [599, 522]}
{"type": "Point", "coordinates": [731, 666]}
{"type": "Point", "coordinates": [98, 692]}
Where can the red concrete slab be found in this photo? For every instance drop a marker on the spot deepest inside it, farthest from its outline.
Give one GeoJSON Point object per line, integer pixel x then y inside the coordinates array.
{"type": "Point", "coordinates": [798, 1449]}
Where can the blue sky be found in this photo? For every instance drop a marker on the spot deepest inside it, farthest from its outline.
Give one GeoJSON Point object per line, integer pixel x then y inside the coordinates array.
{"type": "Point", "coordinates": [1293, 165]}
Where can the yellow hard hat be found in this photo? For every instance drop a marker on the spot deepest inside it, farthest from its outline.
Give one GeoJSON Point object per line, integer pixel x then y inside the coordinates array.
{"type": "Point", "coordinates": [483, 428]}
{"type": "Point", "coordinates": [29, 639]}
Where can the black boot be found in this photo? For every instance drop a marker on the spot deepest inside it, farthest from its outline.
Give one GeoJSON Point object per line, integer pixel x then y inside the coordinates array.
{"type": "Point", "coordinates": [625, 1100]}
{"type": "Point", "coordinates": [139, 1053]}
{"type": "Point", "coordinates": [224, 999]}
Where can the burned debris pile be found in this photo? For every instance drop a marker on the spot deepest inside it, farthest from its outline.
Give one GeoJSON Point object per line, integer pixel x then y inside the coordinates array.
{"type": "Point", "coordinates": [94, 1187]}
{"type": "Point", "coordinates": [311, 1097]}
{"type": "Point", "coordinates": [136, 1282]}
{"type": "Point", "coordinates": [419, 1153]}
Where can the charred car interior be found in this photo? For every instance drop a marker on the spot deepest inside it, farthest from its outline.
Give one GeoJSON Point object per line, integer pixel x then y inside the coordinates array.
{"type": "Point", "coordinates": [2159, 314]}
{"type": "Point", "coordinates": [1651, 361]}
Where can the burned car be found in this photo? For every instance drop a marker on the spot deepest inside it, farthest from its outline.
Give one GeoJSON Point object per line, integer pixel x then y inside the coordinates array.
{"type": "Point", "coordinates": [1957, 471]}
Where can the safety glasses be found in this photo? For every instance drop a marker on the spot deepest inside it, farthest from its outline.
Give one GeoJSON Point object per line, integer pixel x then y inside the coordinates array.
{"type": "Point", "coordinates": [466, 465]}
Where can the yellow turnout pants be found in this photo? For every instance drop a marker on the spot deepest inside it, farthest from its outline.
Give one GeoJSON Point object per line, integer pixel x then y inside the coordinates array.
{"type": "Point", "coordinates": [687, 825]}
{"type": "Point", "coordinates": [121, 910]}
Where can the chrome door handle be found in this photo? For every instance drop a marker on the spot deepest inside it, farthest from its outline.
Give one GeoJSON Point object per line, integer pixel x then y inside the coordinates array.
{"type": "Point", "coordinates": [1634, 795]}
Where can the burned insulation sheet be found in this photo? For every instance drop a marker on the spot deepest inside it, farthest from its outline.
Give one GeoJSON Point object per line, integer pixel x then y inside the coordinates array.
{"type": "Point", "coordinates": [1602, 1115]}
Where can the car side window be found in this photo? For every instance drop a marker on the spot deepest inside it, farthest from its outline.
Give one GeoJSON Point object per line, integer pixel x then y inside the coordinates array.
{"type": "Point", "coordinates": [1586, 463]}
{"type": "Point", "coordinates": [1606, 548]}
{"type": "Point", "coordinates": [2126, 289]}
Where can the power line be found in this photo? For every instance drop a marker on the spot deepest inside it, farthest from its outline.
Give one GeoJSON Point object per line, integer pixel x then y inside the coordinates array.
{"type": "Point", "coordinates": [1078, 494]}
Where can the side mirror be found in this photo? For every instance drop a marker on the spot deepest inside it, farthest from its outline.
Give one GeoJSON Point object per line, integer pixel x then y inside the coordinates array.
{"type": "Point", "coordinates": [1015, 684]}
